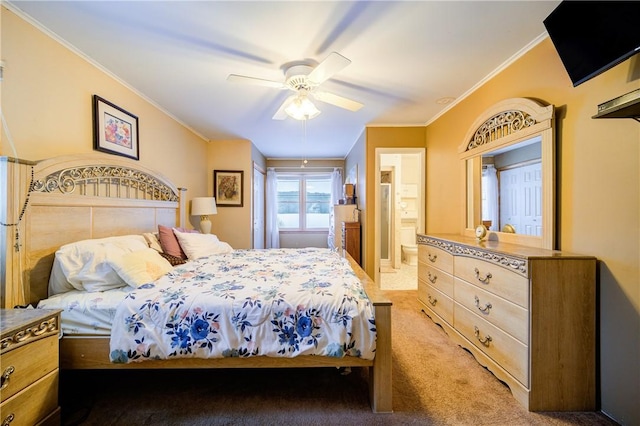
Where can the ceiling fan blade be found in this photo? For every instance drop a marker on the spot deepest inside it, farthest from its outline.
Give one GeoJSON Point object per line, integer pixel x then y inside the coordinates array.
{"type": "Point", "coordinates": [338, 101]}
{"type": "Point", "coordinates": [235, 78]}
{"type": "Point", "coordinates": [333, 64]}
{"type": "Point", "coordinates": [281, 114]}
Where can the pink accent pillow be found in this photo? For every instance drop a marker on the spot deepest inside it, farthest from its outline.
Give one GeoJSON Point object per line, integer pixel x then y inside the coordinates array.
{"type": "Point", "coordinates": [169, 242]}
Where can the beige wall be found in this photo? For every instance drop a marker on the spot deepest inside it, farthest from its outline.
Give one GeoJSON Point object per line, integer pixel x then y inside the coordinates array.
{"type": "Point", "coordinates": [232, 224]}
{"type": "Point", "coordinates": [598, 193]}
{"type": "Point", "coordinates": [47, 103]}
{"type": "Point", "coordinates": [598, 184]}
{"type": "Point", "coordinates": [382, 137]}
{"type": "Point", "coordinates": [357, 157]}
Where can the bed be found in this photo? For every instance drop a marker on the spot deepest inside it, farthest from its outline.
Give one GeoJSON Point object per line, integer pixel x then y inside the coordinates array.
{"type": "Point", "coordinates": [98, 196]}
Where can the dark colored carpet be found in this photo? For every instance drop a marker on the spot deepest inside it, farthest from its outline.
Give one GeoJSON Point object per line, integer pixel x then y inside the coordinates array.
{"type": "Point", "coordinates": [435, 382]}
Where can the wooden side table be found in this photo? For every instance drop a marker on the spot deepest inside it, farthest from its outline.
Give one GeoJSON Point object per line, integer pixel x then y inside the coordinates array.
{"type": "Point", "coordinates": [29, 364]}
{"type": "Point", "coordinates": [351, 239]}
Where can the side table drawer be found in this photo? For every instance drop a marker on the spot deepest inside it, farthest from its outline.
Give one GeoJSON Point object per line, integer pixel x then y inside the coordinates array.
{"type": "Point", "coordinates": [28, 363]}
{"type": "Point", "coordinates": [34, 403]}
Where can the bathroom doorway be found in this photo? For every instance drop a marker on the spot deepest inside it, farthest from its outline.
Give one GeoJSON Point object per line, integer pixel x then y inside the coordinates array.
{"type": "Point", "coordinates": [400, 215]}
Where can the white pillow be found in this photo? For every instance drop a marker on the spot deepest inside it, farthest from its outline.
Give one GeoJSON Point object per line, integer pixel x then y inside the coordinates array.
{"type": "Point", "coordinates": [200, 245]}
{"type": "Point", "coordinates": [140, 267]}
{"type": "Point", "coordinates": [57, 280]}
{"type": "Point", "coordinates": [85, 265]}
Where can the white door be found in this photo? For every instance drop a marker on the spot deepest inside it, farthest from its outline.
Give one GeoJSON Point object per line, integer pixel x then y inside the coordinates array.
{"type": "Point", "coordinates": [259, 179]}
{"type": "Point", "coordinates": [521, 199]}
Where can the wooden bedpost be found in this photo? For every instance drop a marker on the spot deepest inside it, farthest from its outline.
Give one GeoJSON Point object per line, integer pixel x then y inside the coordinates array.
{"type": "Point", "coordinates": [380, 378]}
{"type": "Point", "coordinates": [15, 178]}
{"type": "Point", "coordinates": [182, 207]}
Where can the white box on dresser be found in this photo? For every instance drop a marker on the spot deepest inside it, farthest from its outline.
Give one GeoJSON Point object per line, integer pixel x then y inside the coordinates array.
{"type": "Point", "coordinates": [339, 213]}
{"type": "Point", "coordinates": [29, 360]}
{"type": "Point", "coordinates": [527, 314]}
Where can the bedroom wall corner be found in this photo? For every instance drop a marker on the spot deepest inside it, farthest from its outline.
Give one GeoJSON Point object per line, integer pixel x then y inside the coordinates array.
{"type": "Point", "coordinates": [598, 196]}
{"type": "Point", "coordinates": [383, 137]}
{"type": "Point", "coordinates": [232, 224]}
{"type": "Point", "coordinates": [47, 94]}
{"type": "Point", "coordinates": [357, 157]}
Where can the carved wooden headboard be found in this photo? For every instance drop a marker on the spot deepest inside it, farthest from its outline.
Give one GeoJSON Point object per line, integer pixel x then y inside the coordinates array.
{"type": "Point", "coordinates": [74, 198]}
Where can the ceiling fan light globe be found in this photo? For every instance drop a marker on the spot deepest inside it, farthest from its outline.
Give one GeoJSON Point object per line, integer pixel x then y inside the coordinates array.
{"type": "Point", "coordinates": [302, 109]}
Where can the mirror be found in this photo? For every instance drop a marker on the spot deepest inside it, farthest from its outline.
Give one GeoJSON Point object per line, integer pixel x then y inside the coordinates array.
{"type": "Point", "coordinates": [508, 158]}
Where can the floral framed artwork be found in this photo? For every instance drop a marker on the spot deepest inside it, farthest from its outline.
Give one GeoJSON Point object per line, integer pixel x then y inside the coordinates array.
{"type": "Point", "coordinates": [228, 188]}
{"type": "Point", "coordinates": [115, 130]}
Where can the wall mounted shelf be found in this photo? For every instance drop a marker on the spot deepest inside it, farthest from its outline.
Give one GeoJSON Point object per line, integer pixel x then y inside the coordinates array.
{"type": "Point", "coordinates": [625, 106]}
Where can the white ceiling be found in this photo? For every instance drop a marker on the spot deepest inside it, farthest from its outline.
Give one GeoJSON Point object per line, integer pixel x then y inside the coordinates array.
{"type": "Point", "coordinates": [406, 55]}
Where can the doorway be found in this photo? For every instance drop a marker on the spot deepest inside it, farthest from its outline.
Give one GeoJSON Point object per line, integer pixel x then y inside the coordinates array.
{"type": "Point", "coordinates": [258, 213]}
{"type": "Point", "coordinates": [399, 215]}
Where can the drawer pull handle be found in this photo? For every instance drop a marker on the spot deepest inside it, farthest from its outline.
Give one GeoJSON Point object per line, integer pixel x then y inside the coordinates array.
{"type": "Point", "coordinates": [484, 341]}
{"type": "Point", "coordinates": [433, 278]}
{"type": "Point", "coordinates": [486, 278]}
{"type": "Point", "coordinates": [432, 257]}
{"type": "Point", "coordinates": [486, 307]}
{"type": "Point", "coordinates": [433, 301]}
{"type": "Point", "coordinates": [7, 420]}
{"type": "Point", "coordinates": [6, 375]}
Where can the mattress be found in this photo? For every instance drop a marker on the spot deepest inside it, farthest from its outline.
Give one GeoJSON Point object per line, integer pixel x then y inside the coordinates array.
{"type": "Point", "coordinates": [86, 313]}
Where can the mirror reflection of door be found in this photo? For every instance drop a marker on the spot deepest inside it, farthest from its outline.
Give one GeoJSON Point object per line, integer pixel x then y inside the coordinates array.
{"type": "Point", "coordinates": [512, 189]}
{"type": "Point", "coordinates": [520, 199]}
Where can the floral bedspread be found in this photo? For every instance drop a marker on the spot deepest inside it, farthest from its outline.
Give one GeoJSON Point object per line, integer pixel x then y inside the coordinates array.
{"type": "Point", "coordinates": [274, 302]}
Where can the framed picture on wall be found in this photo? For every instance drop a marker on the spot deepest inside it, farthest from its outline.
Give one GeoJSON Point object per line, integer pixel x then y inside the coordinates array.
{"type": "Point", "coordinates": [228, 188]}
{"type": "Point", "coordinates": [115, 130]}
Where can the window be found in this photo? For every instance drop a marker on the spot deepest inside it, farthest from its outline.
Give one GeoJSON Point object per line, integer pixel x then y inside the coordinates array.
{"type": "Point", "coordinates": [304, 201]}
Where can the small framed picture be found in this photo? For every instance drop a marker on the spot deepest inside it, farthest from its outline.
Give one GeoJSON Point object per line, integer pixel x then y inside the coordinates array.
{"type": "Point", "coordinates": [114, 130]}
{"type": "Point", "coordinates": [227, 188]}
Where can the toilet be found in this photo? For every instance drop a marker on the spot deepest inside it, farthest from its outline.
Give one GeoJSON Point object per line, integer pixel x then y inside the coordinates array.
{"type": "Point", "coordinates": [409, 246]}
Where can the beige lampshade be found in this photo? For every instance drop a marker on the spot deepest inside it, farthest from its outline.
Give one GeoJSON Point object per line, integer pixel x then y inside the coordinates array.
{"type": "Point", "coordinates": [203, 207]}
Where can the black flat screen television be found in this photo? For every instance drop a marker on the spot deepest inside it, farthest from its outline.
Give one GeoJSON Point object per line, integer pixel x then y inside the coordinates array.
{"type": "Point", "coordinates": [593, 36]}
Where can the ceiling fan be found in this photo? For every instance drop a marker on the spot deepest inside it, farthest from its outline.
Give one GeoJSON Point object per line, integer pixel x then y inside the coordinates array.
{"type": "Point", "coordinates": [304, 79]}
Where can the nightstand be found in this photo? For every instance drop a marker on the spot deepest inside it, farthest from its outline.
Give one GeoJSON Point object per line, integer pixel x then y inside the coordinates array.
{"type": "Point", "coordinates": [351, 239]}
{"type": "Point", "coordinates": [29, 366]}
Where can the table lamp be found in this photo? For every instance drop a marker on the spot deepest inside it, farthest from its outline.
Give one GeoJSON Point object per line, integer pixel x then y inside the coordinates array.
{"type": "Point", "coordinates": [203, 207]}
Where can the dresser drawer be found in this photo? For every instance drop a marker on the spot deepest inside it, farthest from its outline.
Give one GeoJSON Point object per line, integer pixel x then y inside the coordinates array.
{"type": "Point", "coordinates": [436, 278]}
{"type": "Point", "coordinates": [508, 316]}
{"type": "Point", "coordinates": [494, 278]}
{"type": "Point", "coordinates": [436, 257]}
{"type": "Point", "coordinates": [34, 403]}
{"type": "Point", "coordinates": [508, 352]}
{"type": "Point", "coordinates": [436, 301]}
{"type": "Point", "coordinates": [28, 363]}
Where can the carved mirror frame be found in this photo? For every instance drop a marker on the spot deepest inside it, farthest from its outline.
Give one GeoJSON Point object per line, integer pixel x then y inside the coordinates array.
{"type": "Point", "coordinates": [507, 123]}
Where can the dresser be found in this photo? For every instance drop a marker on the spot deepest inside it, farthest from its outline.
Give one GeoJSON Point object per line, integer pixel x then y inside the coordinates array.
{"type": "Point", "coordinates": [339, 213]}
{"type": "Point", "coordinates": [527, 314]}
{"type": "Point", "coordinates": [29, 362]}
{"type": "Point", "coordinates": [351, 239]}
